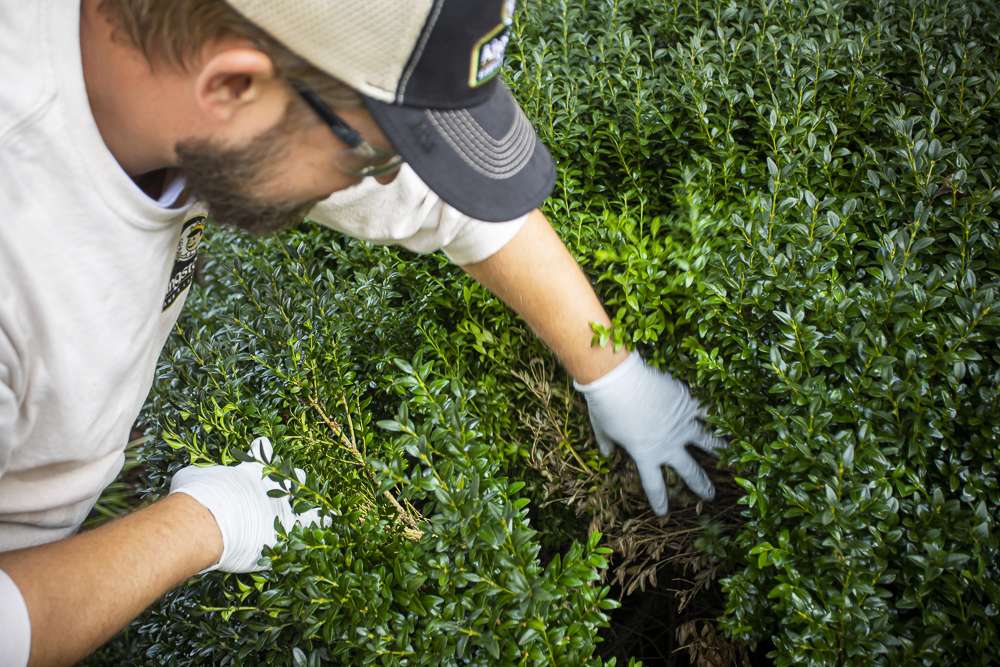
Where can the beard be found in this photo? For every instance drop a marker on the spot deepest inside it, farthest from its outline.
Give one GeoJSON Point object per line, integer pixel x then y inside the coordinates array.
{"type": "Point", "coordinates": [224, 180]}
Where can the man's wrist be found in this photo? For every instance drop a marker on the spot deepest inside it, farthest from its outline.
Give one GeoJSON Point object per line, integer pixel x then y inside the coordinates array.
{"type": "Point", "coordinates": [623, 366]}
{"type": "Point", "coordinates": [206, 537]}
{"type": "Point", "coordinates": [599, 363]}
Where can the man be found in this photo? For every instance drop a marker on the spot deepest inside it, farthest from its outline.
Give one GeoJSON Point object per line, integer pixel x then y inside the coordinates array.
{"type": "Point", "coordinates": [382, 119]}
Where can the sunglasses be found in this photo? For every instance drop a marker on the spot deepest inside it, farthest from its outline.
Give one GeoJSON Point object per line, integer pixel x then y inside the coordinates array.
{"type": "Point", "coordinates": [360, 158]}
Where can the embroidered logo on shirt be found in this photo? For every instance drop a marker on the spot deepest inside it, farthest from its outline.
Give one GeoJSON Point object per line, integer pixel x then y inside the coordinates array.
{"type": "Point", "coordinates": [184, 265]}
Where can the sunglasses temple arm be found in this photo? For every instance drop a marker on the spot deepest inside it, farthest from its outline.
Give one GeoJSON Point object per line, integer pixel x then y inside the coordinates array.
{"type": "Point", "coordinates": [344, 132]}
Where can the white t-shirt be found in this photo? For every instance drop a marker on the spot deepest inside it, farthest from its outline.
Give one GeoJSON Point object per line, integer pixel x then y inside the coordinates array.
{"type": "Point", "coordinates": [93, 275]}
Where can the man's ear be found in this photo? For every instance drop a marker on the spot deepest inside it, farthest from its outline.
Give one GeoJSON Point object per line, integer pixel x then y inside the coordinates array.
{"type": "Point", "coordinates": [230, 80]}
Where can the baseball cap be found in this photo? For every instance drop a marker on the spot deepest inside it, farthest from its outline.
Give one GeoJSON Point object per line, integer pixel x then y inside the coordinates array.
{"type": "Point", "coordinates": [428, 71]}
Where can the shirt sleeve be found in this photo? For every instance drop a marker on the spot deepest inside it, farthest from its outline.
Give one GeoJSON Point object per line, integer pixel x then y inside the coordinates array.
{"type": "Point", "coordinates": [9, 403]}
{"type": "Point", "coordinates": [15, 625]}
{"type": "Point", "coordinates": [407, 213]}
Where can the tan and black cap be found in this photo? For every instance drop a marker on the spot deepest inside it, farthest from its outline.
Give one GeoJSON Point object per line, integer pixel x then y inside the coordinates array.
{"type": "Point", "coordinates": [428, 72]}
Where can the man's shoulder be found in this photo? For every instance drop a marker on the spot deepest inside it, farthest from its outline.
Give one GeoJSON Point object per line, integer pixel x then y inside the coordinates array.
{"type": "Point", "coordinates": [25, 60]}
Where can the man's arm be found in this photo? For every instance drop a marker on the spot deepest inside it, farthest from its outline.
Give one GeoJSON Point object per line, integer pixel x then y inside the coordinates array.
{"type": "Point", "coordinates": [536, 276]}
{"type": "Point", "coordinates": [650, 414]}
{"type": "Point", "coordinates": [80, 591]}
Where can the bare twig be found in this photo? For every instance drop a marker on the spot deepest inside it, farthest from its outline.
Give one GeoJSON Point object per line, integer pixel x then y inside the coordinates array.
{"type": "Point", "coordinates": [412, 529]}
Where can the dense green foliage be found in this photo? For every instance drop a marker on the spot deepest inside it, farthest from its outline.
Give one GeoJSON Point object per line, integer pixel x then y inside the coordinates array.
{"type": "Point", "coordinates": [794, 207]}
{"type": "Point", "coordinates": [428, 557]}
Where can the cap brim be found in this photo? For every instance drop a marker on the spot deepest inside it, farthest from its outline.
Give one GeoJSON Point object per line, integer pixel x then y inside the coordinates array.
{"type": "Point", "coordinates": [485, 161]}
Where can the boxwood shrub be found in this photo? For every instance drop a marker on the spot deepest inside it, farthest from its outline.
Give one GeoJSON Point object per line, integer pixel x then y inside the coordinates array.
{"type": "Point", "coordinates": [793, 207]}
{"type": "Point", "coordinates": [427, 555]}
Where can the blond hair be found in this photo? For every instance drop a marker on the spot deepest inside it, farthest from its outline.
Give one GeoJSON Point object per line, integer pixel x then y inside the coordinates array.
{"type": "Point", "coordinates": [173, 33]}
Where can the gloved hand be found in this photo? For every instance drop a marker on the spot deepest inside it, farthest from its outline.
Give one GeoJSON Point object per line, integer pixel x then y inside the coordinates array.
{"type": "Point", "coordinates": [237, 498]}
{"type": "Point", "coordinates": [653, 416]}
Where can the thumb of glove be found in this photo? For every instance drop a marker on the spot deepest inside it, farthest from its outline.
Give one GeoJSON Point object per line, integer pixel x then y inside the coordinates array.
{"type": "Point", "coordinates": [604, 442]}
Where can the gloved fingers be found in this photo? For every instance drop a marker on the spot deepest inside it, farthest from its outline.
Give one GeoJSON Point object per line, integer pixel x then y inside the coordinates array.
{"type": "Point", "coordinates": [284, 483]}
{"type": "Point", "coordinates": [300, 476]}
{"type": "Point", "coordinates": [312, 518]}
{"type": "Point", "coordinates": [693, 475]}
{"type": "Point", "coordinates": [289, 519]}
{"type": "Point", "coordinates": [651, 476]}
{"type": "Point", "coordinates": [286, 514]}
{"type": "Point", "coordinates": [261, 450]}
{"type": "Point", "coordinates": [604, 443]}
{"type": "Point", "coordinates": [707, 442]}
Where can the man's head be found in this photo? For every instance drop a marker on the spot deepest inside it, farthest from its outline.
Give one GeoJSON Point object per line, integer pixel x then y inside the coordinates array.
{"type": "Point", "coordinates": [418, 78]}
{"type": "Point", "coordinates": [253, 151]}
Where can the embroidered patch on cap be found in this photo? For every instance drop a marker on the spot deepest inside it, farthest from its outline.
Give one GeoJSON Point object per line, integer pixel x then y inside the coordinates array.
{"type": "Point", "coordinates": [488, 53]}
{"type": "Point", "coordinates": [184, 264]}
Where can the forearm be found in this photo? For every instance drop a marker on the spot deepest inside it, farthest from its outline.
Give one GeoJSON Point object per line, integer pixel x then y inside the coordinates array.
{"type": "Point", "coordinates": [536, 276]}
{"type": "Point", "coordinates": [80, 591]}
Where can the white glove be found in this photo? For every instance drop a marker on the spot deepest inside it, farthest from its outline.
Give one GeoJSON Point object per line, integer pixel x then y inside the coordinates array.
{"type": "Point", "coordinates": [237, 498]}
{"type": "Point", "coordinates": [653, 416]}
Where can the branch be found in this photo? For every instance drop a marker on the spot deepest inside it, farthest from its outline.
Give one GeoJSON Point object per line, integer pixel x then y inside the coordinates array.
{"type": "Point", "coordinates": [412, 530]}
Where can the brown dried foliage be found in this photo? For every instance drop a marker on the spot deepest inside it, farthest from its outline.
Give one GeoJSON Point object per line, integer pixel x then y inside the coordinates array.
{"type": "Point", "coordinates": [650, 551]}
